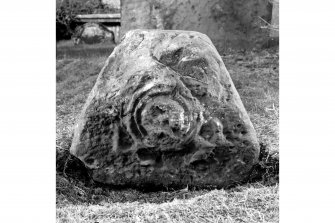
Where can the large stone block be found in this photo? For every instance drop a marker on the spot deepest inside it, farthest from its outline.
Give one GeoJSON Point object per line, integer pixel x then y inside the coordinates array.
{"type": "Point", "coordinates": [164, 111]}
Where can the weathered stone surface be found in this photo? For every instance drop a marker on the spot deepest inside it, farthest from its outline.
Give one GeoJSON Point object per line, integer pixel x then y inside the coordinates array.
{"type": "Point", "coordinates": [228, 23]}
{"type": "Point", "coordinates": [91, 33]}
{"type": "Point", "coordinates": [274, 32]}
{"type": "Point", "coordinates": [164, 111]}
{"type": "Point", "coordinates": [113, 4]}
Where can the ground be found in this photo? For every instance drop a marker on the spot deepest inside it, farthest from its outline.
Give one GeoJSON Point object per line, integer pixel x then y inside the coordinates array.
{"type": "Point", "coordinates": [79, 199]}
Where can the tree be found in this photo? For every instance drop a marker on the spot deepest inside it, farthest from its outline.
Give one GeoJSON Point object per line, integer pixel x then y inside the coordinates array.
{"type": "Point", "coordinates": [66, 12]}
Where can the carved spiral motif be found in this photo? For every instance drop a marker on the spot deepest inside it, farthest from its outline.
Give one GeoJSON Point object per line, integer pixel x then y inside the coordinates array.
{"type": "Point", "coordinates": [163, 114]}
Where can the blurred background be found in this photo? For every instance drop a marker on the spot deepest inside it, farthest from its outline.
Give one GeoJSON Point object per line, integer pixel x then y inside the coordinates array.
{"type": "Point", "coordinates": [230, 24]}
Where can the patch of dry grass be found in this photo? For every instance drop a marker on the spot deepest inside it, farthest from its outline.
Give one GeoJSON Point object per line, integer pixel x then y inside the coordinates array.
{"type": "Point", "coordinates": [66, 49]}
{"type": "Point", "coordinates": [79, 199]}
{"type": "Point", "coordinates": [252, 203]}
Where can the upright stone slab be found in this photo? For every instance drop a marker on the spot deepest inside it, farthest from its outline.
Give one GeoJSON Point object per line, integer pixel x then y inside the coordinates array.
{"type": "Point", "coordinates": [164, 112]}
{"type": "Point", "coordinates": [274, 32]}
{"type": "Point", "coordinates": [228, 23]}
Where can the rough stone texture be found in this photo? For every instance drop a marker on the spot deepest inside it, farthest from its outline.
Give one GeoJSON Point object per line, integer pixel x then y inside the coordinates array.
{"type": "Point", "coordinates": [91, 33]}
{"type": "Point", "coordinates": [114, 4]}
{"type": "Point", "coordinates": [228, 23]}
{"type": "Point", "coordinates": [164, 112]}
{"type": "Point", "coordinates": [275, 19]}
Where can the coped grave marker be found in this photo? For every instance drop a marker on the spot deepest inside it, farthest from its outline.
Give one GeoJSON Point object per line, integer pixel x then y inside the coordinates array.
{"type": "Point", "coordinates": [164, 112]}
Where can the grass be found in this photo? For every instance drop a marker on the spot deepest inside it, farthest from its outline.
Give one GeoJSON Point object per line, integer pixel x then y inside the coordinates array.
{"type": "Point", "coordinates": [254, 203]}
{"type": "Point", "coordinates": [79, 199]}
{"type": "Point", "coordinates": [67, 49]}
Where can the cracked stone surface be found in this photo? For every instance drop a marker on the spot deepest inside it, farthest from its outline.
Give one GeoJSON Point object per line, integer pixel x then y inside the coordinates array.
{"type": "Point", "coordinates": [164, 112]}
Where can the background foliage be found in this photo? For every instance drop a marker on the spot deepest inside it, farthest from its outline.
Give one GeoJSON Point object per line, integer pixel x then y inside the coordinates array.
{"type": "Point", "coordinates": [66, 11]}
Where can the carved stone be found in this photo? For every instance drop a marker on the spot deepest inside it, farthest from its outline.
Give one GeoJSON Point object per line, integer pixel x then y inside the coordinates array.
{"type": "Point", "coordinates": [92, 33]}
{"type": "Point", "coordinates": [164, 112]}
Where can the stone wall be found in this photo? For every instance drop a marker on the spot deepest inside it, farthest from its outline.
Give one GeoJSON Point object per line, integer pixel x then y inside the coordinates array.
{"type": "Point", "coordinates": [229, 23]}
